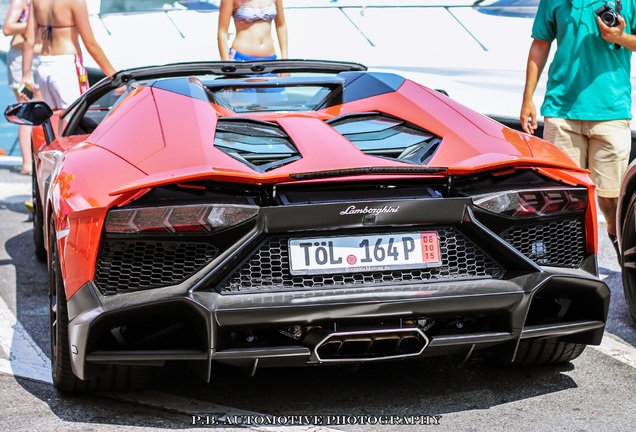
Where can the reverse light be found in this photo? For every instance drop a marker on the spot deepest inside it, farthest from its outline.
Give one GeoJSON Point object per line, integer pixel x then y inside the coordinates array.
{"type": "Point", "coordinates": [192, 218]}
{"type": "Point", "coordinates": [533, 203]}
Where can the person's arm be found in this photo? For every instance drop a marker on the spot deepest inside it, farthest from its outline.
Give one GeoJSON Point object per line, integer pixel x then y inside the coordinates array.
{"type": "Point", "coordinates": [281, 29]}
{"type": "Point", "coordinates": [617, 35]}
{"type": "Point", "coordinates": [225, 15]}
{"type": "Point", "coordinates": [12, 25]}
{"type": "Point", "coordinates": [537, 59]}
{"type": "Point", "coordinates": [27, 48]}
{"type": "Point", "coordinates": [80, 18]}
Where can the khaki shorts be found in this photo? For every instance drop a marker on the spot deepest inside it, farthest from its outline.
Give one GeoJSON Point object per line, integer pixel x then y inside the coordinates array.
{"type": "Point", "coordinates": [603, 147]}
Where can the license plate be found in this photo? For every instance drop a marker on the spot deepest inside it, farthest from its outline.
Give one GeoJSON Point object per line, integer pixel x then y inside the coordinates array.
{"type": "Point", "coordinates": [364, 253]}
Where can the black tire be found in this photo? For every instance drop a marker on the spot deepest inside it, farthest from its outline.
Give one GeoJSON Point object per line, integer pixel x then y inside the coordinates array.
{"type": "Point", "coordinates": [628, 256]}
{"type": "Point", "coordinates": [538, 352]}
{"type": "Point", "coordinates": [62, 373]}
{"type": "Point", "coordinates": [38, 222]}
{"type": "Point", "coordinates": [115, 378]}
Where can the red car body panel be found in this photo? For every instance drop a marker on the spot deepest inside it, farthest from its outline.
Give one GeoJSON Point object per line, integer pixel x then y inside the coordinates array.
{"type": "Point", "coordinates": [81, 207]}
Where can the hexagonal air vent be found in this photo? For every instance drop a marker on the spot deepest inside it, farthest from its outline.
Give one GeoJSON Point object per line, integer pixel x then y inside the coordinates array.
{"type": "Point", "coordinates": [260, 145]}
{"type": "Point", "coordinates": [381, 135]}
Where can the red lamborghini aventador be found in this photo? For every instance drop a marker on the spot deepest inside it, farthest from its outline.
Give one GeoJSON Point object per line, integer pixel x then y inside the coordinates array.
{"type": "Point", "coordinates": [301, 212]}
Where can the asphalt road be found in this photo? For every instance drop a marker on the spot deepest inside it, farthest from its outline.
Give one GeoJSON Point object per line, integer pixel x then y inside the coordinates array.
{"type": "Point", "coordinates": [593, 393]}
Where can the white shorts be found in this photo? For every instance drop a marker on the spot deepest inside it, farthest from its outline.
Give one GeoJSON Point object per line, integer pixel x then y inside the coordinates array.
{"type": "Point", "coordinates": [14, 67]}
{"type": "Point", "coordinates": [62, 79]}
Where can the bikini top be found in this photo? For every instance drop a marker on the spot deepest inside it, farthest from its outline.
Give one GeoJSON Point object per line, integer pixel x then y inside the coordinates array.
{"type": "Point", "coordinates": [47, 32]}
{"type": "Point", "coordinates": [244, 14]}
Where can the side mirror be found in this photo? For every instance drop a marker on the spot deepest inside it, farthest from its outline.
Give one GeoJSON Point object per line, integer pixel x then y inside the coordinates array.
{"type": "Point", "coordinates": [28, 113]}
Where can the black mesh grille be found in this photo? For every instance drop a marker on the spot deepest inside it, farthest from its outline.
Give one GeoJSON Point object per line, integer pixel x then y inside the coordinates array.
{"type": "Point", "coordinates": [560, 243]}
{"type": "Point", "coordinates": [136, 265]}
{"type": "Point", "coordinates": [268, 268]}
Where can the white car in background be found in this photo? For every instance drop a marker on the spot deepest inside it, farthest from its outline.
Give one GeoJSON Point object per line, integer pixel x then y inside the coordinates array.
{"type": "Point", "coordinates": [476, 51]}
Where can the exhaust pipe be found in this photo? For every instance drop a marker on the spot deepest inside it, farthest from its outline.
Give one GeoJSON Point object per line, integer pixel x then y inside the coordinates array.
{"type": "Point", "coordinates": [366, 345]}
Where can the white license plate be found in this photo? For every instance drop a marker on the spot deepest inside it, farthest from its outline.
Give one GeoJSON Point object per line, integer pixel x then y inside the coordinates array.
{"type": "Point", "coordinates": [364, 253]}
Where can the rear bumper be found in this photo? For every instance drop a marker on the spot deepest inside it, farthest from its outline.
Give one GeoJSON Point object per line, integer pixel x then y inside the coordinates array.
{"type": "Point", "coordinates": [475, 314]}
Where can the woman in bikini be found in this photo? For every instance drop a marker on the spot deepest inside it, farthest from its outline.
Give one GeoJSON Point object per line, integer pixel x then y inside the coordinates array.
{"type": "Point", "coordinates": [253, 22]}
{"type": "Point", "coordinates": [15, 25]}
{"type": "Point", "coordinates": [61, 74]}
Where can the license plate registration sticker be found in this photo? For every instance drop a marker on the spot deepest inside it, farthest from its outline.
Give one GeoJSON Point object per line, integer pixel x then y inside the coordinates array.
{"type": "Point", "coordinates": [364, 253]}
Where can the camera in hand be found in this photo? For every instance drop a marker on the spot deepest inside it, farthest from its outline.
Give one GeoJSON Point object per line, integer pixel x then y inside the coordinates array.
{"type": "Point", "coordinates": [608, 15]}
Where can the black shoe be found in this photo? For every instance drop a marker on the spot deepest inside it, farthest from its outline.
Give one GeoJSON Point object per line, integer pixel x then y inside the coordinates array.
{"type": "Point", "coordinates": [614, 241]}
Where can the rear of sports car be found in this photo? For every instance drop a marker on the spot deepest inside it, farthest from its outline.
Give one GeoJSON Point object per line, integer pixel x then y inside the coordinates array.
{"type": "Point", "coordinates": [404, 259]}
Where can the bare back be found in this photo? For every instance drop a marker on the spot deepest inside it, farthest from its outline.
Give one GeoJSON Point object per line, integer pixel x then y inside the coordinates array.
{"type": "Point", "coordinates": [56, 26]}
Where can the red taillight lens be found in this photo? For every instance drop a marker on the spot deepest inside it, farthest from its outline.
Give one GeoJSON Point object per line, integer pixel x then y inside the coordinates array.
{"type": "Point", "coordinates": [195, 218]}
{"type": "Point", "coordinates": [533, 203]}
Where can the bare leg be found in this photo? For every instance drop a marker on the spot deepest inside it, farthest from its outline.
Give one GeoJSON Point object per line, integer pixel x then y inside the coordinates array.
{"type": "Point", "coordinates": [24, 138]}
{"type": "Point", "coordinates": [609, 207]}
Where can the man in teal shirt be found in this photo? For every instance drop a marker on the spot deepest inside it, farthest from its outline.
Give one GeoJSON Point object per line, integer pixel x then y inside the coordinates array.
{"type": "Point", "coordinates": [587, 105]}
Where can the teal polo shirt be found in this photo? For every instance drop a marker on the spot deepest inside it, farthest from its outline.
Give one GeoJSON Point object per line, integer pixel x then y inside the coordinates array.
{"type": "Point", "coordinates": [587, 79]}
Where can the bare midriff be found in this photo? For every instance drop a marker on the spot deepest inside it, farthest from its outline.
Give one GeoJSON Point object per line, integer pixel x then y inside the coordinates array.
{"type": "Point", "coordinates": [254, 39]}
